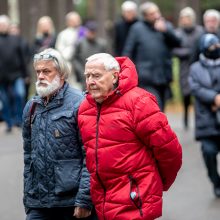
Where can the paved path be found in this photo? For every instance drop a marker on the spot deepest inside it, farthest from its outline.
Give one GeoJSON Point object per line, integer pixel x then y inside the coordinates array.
{"type": "Point", "coordinates": [190, 198]}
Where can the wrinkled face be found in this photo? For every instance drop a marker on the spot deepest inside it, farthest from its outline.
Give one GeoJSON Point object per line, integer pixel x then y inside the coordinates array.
{"type": "Point", "coordinates": [4, 27]}
{"type": "Point", "coordinates": [129, 15]}
{"type": "Point", "coordinates": [48, 79]}
{"type": "Point", "coordinates": [99, 81]}
{"type": "Point", "coordinates": [186, 22]}
{"type": "Point", "coordinates": [211, 24]}
{"type": "Point", "coordinates": [152, 14]}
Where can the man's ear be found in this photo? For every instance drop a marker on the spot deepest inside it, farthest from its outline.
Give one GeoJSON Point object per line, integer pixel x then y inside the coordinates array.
{"type": "Point", "coordinates": [61, 77]}
{"type": "Point", "coordinates": [115, 77]}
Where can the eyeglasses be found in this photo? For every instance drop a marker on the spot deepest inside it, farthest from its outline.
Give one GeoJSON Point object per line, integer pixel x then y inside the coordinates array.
{"type": "Point", "coordinates": [44, 57]}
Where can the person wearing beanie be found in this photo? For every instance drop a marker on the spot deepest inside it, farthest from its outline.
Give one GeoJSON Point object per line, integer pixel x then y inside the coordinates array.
{"type": "Point", "coordinates": [204, 81]}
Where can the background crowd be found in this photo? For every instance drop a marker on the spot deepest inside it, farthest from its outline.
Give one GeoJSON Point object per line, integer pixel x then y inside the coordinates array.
{"type": "Point", "coordinates": [142, 34]}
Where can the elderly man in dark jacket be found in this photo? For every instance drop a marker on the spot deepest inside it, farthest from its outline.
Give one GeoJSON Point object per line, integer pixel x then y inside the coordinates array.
{"type": "Point", "coordinates": [129, 16]}
{"type": "Point", "coordinates": [149, 45]}
{"type": "Point", "coordinates": [56, 181]}
{"type": "Point", "coordinates": [204, 81]}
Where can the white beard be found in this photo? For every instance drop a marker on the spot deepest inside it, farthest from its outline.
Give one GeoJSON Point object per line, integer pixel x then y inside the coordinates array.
{"type": "Point", "coordinates": [43, 91]}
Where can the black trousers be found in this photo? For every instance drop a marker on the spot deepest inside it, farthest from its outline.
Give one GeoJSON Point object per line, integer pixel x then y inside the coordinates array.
{"type": "Point", "coordinates": [55, 214]}
{"type": "Point", "coordinates": [162, 94]}
{"type": "Point", "coordinates": [210, 149]}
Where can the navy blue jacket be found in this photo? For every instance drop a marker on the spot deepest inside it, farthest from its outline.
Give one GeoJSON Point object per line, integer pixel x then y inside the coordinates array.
{"type": "Point", "coordinates": [55, 174]}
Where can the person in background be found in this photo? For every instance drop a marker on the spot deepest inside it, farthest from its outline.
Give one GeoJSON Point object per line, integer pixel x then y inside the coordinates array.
{"type": "Point", "coordinates": [149, 45]}
{"type": "Point", "coordinates": [13, 73]}
{"type": "Point", "coordinates": [45, 35]}
{"type": "Point", "coordinates": [189, 32]}
{"type": "Point", "coordinates": [67, 39]}
{"type": "Point", "coordinates": [132, 153]}
{"type": "Point", "coordinates": [56, 180]}
{"type": "Point", "coordinates": [204, 81]}
{"type": "Point", "coordinates": [122, 26]}
{"type": "Point", "coordinates": [85, 47]}
{"type": "Point", "coordinates": [211, 22]}
{"type": "Point", "coordinates": [14, 29]}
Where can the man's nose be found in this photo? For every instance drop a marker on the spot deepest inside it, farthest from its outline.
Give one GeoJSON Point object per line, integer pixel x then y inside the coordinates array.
{"type": "Point", "coordinates": [90, 81]}
{"type": "Point", "coordinates": [40, 75]}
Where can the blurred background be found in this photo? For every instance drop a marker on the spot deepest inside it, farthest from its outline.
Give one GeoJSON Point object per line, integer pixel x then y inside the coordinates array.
{"type": "Point", "coordinates": [191, 197]}
{"type": "Point", "coordinates": [27, 12]}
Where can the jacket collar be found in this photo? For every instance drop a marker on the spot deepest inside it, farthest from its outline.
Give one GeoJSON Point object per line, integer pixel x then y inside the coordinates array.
{"type": "Point", "coordinates": [208, 62]}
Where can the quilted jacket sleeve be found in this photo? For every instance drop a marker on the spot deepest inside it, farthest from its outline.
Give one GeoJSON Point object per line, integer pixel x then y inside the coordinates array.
{"type": "Point", "coordinates": [26, 133]}
{"type": "Point", "coordinates": [154, 131]}
{"type": "Point", "coordinates": [83, 198]}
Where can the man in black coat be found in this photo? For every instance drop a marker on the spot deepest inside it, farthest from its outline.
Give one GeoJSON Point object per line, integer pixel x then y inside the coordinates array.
{"type": "Point", "coordinates": [122, 26]}
{"type": "Point", "coordinates": [149, 45]}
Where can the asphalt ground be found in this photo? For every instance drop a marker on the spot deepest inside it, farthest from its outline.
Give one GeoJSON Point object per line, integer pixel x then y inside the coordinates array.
{"type": "Point", "coordinates": [190, 197]}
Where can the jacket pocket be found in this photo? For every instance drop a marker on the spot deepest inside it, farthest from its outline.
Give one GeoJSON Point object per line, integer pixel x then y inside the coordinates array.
{"type": "Point", "coordinates": [67, 176]}
{"type": "Point", "coordinates": [62, 124]}
{"type": "Point", "coordinates": [135, 194]}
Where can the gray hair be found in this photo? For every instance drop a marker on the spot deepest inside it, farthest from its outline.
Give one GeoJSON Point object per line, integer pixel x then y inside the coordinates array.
{"type": "Point", "coordinates": [4, 19]}
{"type": "Point", "coordinates": [56, 57]}
{"type": "Point", "coordinates": [4, 23]}
{"type": "Point", "coordinates": [109, 62]}
{"type": "Point", "coordinates": [188, 12]}
{"type": "Point", "coordinates": [144, 8]}
{"type": "Point", "coordinates": [129, 5]}
{"type": "Point", "coordinates": [212, 13]}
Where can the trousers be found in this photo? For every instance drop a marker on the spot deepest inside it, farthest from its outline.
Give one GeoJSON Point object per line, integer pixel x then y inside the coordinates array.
{"type": "Point", "coordinates": [210, 149]}
{"type": "Point", "coordinates": [65, 213]}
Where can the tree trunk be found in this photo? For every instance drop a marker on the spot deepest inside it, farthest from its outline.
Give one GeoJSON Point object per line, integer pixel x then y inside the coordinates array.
{"type": "Point", "coordinates": [32, 10]}
{"type": "Point", "coordinates": [4, 7]}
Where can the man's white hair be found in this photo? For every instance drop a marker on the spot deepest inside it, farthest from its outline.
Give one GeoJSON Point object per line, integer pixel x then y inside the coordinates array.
{"type": "Point", "coordinates": [57, 58]}
{"type": "Point", "coordinates": [211, 13]}
{"type": "Point", "coordinates": [129, 6]}
{"type": "Point", "coordinates": [188, 12]}
{"type": "Point", "coordinates": [108, 61]}
{"type": "Point", "coordinates": [144, 8]}
{"type": "Point", "coordinates": [4, 19]}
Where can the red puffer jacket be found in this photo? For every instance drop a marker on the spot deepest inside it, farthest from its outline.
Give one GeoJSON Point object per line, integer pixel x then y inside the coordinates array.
{"type": "Point", "coordinates": [131, 151]}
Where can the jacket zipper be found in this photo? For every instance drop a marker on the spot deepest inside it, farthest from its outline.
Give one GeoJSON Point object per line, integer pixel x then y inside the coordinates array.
{"type": "Point", "coordinates": [135, 196]}
{"type": "Point", "coordinates": [96, 156]}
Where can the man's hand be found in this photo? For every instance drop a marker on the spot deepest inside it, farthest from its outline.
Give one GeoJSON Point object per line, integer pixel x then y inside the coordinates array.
{"type": "Point", "coordinates": [217, 100]}
{"type": "Point", "coordinates": [160, 25]}
{"type": "Point", "coordinates": [81, 212]}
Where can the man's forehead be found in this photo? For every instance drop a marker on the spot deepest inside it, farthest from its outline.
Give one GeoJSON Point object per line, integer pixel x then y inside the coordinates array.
{"type": "Point", "coordinates": [95, 66]}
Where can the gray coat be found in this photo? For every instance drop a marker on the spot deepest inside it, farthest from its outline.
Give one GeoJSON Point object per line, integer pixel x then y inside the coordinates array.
{"type": "Point", "coordinates": [204, 81]}
{"type": "Point", "coordinates": [55, 174]}
{"type": "Point", "coordinates": [85, 48]}
{"type": "Point", "coordinates": [184, 53]}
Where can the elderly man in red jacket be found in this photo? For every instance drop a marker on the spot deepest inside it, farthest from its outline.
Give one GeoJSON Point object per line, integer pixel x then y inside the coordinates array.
{"type": "Point", "coordinates": [131, 152]}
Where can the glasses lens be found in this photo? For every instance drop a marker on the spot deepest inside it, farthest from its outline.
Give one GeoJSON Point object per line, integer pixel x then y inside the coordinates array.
{"type": "Point", "coordinates": [43, 57]}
